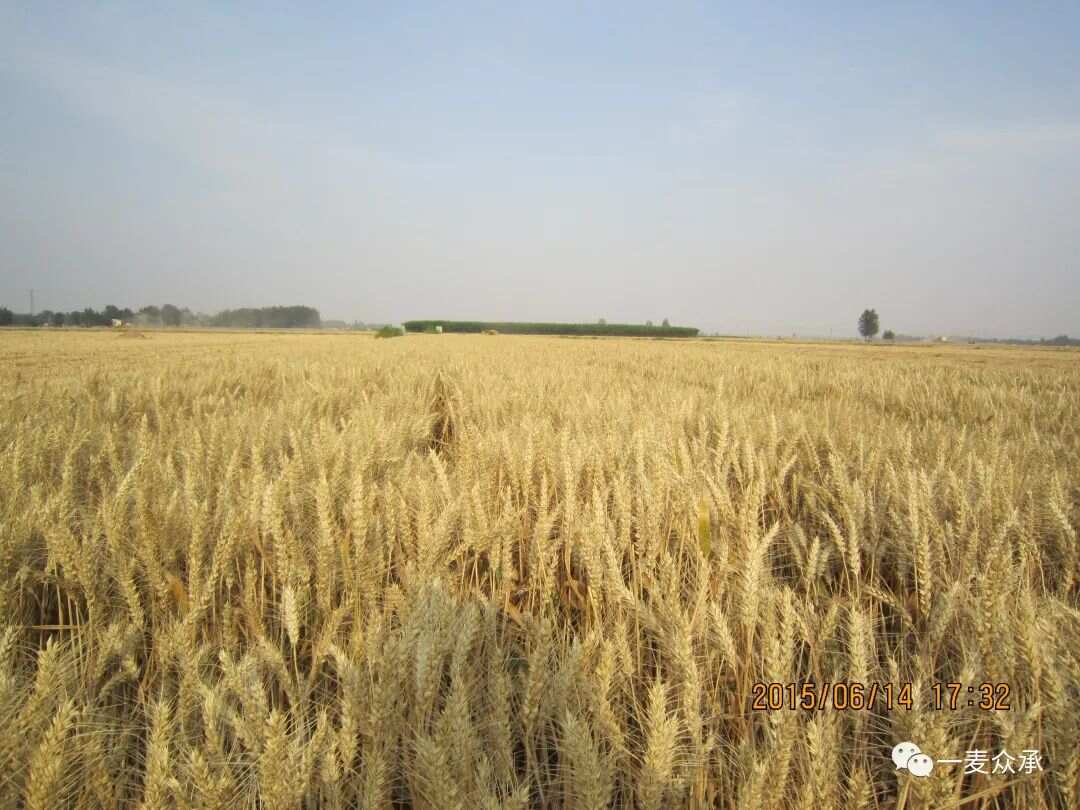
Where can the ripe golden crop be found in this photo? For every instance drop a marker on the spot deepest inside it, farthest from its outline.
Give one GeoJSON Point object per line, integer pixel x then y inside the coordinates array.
{"type": "Point", "coordinates": [444, 571]}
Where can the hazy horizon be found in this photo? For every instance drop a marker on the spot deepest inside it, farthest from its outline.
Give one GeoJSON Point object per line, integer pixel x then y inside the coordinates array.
{"type": "Point", "coordinates": [766, 170]}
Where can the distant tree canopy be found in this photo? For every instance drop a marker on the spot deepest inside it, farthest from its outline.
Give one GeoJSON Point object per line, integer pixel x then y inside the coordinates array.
{"type": "Point", "coordinates": [868, 323]}
{"type": "Point", "coordinates": [888, 334]}
{"type": "Point", "coordinates": [113, 313]}
{"type": "Point", "coordinates": [514, 328]}
{"type": "Point", "coordinates": [268, 318]}
{"type": "Point", "coordinates": [88, 317]}
{"type": "Point", "coordinates": [169, 315]}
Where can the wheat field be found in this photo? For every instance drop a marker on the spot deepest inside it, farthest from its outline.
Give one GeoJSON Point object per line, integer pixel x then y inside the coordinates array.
{"type": "Point", "coordinates": [325, 571]}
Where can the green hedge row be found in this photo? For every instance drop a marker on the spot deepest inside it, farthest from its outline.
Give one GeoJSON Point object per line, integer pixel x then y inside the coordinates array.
{"type": "Point", "coordinates": [515, 328]}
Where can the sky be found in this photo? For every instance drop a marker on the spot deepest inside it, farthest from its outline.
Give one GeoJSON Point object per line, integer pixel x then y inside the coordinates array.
{"type": "Point", "coordinates": [746, 169]}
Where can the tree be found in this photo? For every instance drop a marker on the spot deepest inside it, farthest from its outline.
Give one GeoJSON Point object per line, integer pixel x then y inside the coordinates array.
{"type": "Point", "coordinates": [91, 317]}
{"type": "Point", "coordinates": [868, 324]}
{"type": "Point", "coordinates": [888, 334]}
{"type": "Point", "coordinates": [602, 321]}
{"type": "Point", "coordinates": [665, 323]}
{"type": "Point", "coordinates": [58, 319]}
{"type": "Point", "coordinates": [294, 317]}
{"type": "Point", "coordinates": [648, 323]}
{"type": "Point", "coordinates": [150, 314]}
{"type": "Point", "coordinates": [7, 317]}
{"type": "Point", "coordinates": [170, 315]}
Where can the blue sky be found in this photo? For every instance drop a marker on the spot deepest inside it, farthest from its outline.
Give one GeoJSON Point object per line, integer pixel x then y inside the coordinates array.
{"type": "Point", "coordinates": [763, 168]}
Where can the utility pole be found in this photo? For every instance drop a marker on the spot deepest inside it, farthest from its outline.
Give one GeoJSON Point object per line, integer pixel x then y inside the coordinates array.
{"type": "Point", "coordinates": [31, 303]}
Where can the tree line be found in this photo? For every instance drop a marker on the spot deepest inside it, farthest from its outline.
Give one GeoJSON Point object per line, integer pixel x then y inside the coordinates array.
{"type": "Point", "coordinates": [268, 318]}
{"type": "Point", "coordinates": [517, 328]}
{"type": "Point", "coordinates": [279, 317]}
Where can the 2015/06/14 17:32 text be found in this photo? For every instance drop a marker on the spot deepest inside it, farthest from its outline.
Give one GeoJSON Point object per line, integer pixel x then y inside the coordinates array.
{"type": "Point", "coordinates": [852, 695]}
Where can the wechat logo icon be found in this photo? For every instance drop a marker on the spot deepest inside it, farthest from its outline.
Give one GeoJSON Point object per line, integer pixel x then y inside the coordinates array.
{"type": "Point", "coordinates": [907, 756]}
